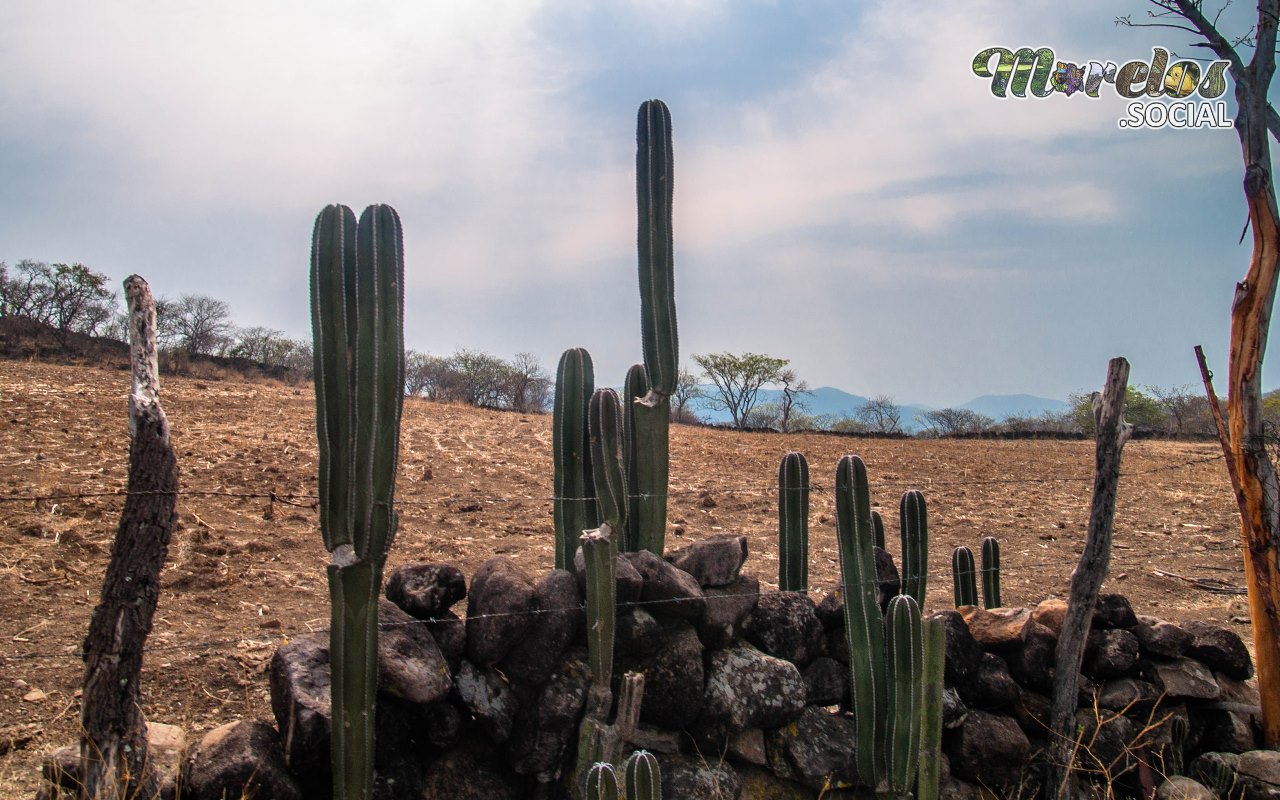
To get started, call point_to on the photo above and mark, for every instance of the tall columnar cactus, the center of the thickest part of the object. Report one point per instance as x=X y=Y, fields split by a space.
x=644 y=445
x=643 y=779
x=877 y=529
x=655 y=180
x=605 y=427
x=602 y=782
x=964 y=579
x=357 y=314
x=863 y=624
x=991 y=572
x=914 y=523
x=599 y=553
x=574 y=505
x=929 y=772
x=793 y=523
x=904 y=643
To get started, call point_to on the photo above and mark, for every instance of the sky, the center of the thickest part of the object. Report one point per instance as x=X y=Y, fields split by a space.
x=848 y=194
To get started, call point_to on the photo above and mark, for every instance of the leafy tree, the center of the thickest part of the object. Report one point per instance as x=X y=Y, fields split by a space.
x=954 y=421
x=67 y=297
x=881 y=415
x=478 y=379
x=199 y=324
x=1140 y=409
x=737 y=380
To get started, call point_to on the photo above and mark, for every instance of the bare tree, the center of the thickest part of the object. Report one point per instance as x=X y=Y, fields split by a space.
x=530 y=385
x=881 y=415
x=66 y=297
x=955 y=421
x=687 y=390
x=197 y=323
x=265 y=345
x=1178 y=404
x=794 y=390
x=1253 y=473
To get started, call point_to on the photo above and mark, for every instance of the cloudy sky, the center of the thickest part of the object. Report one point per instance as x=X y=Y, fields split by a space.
x=848 y=194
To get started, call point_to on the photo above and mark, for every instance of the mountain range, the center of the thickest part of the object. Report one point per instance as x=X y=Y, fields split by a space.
x=828 y=400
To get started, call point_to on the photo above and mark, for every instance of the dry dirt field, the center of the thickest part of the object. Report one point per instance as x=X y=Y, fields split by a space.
x=243 y=573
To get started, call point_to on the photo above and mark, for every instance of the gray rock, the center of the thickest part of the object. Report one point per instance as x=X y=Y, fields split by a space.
x=666 y=591
x=750 y=689
x=410 y=665
x=1032 y=712
x=1218 y=648
x=727 y=607
x=693 y=778
x=1032 y=664
x=166 y=757
x=963 y=653
x=713 y=561
x=637 y=633
x=498 y=610
x=988 y=748
x=1119 y=694
x=1109 y=737
x=1113 y=611
x=886 y=577
x=473 y=770
x=1182 y=677
x=559 y=619
x=426 y=590
x=992 y=687
x=629 y=582
x=1180 y=787
x=815 y=749
x=547 y=721
x=826 y=682
x=240 y=759
x=785 y=625
x=1262 y=769
x=954 y=711
x=299 y=680
x=450 y=633
x=830 y=610
x=490 y=700
x=1110 y=653
x=673 y=677
x=1160 y=638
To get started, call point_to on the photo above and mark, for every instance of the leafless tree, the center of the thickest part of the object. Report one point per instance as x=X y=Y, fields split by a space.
x=687 y=390
x=198 y=323
x=794 y=390
x=955 y=421
x=881 y=415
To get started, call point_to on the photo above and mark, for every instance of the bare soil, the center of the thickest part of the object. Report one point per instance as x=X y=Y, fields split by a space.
x=245 y=573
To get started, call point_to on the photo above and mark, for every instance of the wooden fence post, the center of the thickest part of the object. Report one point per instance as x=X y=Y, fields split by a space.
x=113 y=745
x=1086 y=581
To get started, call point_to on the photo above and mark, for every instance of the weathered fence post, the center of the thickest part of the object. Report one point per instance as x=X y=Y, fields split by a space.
x=113 y=746
x=1086 y=581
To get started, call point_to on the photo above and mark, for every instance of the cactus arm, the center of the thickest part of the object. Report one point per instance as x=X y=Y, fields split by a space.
x=644 y=434
x=905 y=662
x=605 y=427
x=643 y=778
x=914 y=523
x=963 y=578
x=793 y=523
x=929 y=773
x=574 y=506
x=654 y=185
x=863 y=625
x=991 y=572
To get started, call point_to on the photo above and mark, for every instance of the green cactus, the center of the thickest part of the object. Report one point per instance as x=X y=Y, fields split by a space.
x=964 y=577
x=574 y=505
x=914 y=522
x=904 y=643
x=599 y=553
x=602 y=782
x=877 y=529
x=644 y=445
x=991 y=572
x=605 y=428
x=643 y=777
x=793 y=523
x=655 y=181
x=357 y=315
x=929 y=773
x=863 y=624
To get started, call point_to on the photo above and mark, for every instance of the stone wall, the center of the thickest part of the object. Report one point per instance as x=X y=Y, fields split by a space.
x=746 y=693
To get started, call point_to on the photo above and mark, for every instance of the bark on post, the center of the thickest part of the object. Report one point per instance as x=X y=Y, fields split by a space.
x=1086 y=581
x=113 y=748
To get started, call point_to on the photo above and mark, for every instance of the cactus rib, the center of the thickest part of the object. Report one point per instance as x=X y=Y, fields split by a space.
x=642 y=777
x=644 y=434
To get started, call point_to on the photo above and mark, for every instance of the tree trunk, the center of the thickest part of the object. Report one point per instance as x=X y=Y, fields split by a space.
x=113 y=748
x=1111 y=432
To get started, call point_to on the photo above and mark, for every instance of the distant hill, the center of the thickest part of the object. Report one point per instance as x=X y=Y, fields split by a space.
x=1002 y=406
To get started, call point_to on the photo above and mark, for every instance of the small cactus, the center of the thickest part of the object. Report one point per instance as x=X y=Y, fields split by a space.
x=929 y=773
x=877 y=529
x=964 y=577
x=914 y=523
x=904 y=642
x=602 y=782
x=991 y=572
x=574 y=505
x=643 y=778
x=793 y=523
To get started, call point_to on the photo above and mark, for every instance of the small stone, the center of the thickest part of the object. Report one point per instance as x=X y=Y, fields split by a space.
x=426 y=590
x=1113 y=611
x=1180 y=787
x=35 y=696
x=1161 y=638
x=1051 y=613
x=999 y=629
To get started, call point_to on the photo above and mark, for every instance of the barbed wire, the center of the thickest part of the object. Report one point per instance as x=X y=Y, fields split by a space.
x=290 y=498
x=285 y=638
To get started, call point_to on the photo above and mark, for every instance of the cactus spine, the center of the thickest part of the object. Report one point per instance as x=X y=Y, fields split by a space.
x=793 y=523
x=991 y=572
x=914 y=523
x=863 y=625
x=964 y=579
x=904 y=643
x=642 y=777
x=574 y=505
x=602 y=782
x=357 y=314
x=644 y=445
x=929 y=773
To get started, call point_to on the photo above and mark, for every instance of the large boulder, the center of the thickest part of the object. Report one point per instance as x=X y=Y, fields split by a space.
x=1160 y=638
x=546 y=723
x=750 y=689
x=816 y=750
x=499 y=610
x=240 y=759
x=989 y=748
x=410 y=664
x=666 y=591
x=673 y=677
x=713 y=561
x=727 y=607
x=785 y=625
x=694 y=778
x=488 y=698
x=473 y=770
x=559 y=619
x=1220 y=649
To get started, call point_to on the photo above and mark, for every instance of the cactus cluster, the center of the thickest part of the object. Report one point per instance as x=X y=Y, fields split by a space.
x=964 y=575
x=887 y=667
x=357 y=313
x=642 y=780
x=793 y=523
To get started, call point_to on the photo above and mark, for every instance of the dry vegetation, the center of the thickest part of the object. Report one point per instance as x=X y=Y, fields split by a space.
x=244 y=572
